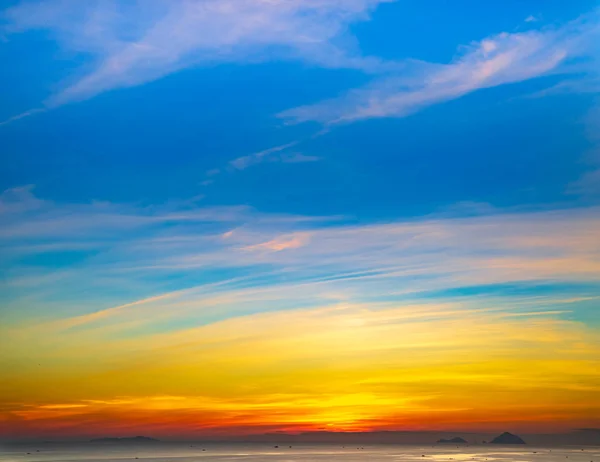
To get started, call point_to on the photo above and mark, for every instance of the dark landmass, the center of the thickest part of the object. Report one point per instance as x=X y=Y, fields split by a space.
x=455 y=440
x=507 y=438
x=134 y=439
x=581 y=437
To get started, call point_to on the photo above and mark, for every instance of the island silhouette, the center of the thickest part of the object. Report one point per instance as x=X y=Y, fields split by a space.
x=455 y=440
x=507 y=438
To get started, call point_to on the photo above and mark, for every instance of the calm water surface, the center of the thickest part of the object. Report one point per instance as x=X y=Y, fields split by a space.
x=304 y=453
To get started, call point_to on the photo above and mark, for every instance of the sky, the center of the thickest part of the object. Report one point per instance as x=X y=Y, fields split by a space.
x=231 y=217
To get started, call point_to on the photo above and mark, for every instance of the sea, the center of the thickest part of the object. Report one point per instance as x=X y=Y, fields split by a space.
x=285 y=453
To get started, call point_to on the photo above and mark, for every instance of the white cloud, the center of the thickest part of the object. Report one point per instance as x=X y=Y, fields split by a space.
x=498 y=60
x=131 y=43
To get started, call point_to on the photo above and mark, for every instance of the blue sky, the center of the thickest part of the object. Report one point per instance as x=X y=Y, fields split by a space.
x=152 y=132
x=177 y=164
x=366 y=111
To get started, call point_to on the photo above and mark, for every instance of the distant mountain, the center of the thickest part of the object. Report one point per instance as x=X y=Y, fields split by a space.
x=134 y=439
x=507 y=438
x=455 y=440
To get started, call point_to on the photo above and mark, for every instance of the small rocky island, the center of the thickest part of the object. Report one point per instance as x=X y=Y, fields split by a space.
x=507 y=438
x=455 y=440
x=134 y=439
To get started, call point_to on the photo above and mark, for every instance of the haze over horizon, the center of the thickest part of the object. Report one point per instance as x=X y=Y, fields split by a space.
x=234 y=217
x=580 y=438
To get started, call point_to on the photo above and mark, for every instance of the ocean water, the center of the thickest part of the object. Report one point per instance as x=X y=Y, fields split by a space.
x=301 y=453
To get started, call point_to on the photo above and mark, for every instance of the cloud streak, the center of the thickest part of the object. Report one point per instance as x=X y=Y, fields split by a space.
x=132 y=44
x=136 y=42
x=497 y=60
x=242 y=163
x=263 y=261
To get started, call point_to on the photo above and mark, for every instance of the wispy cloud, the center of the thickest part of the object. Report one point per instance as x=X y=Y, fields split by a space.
x=497 y=60
x=298 y=158
x=283 y=154
x=99 y=315
x=294 y=241
x=130 y=44
x=587 y=185
x=23 y=115
x=244 y=162
x=133 y=43
x=18 y=200
x=143 y=253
